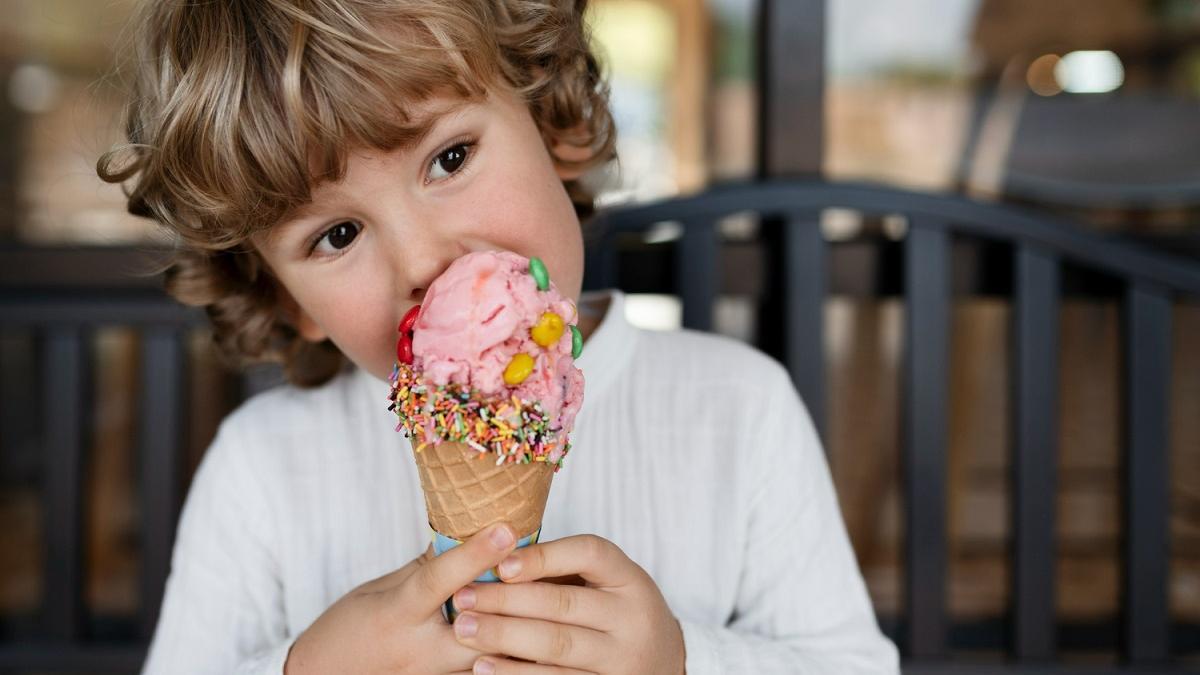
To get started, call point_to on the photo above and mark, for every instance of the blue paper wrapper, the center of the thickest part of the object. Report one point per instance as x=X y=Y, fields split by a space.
x=442 y=543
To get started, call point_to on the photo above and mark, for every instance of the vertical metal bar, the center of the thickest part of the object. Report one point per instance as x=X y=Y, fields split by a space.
x=64 y=420
x=20 y=392
x=790 y=134
x=1035 y=452
x=806 y=286
x=1147 y=364
x=927 y=340
x=791 y=85
x=160 y=450
x=697 y=270
x=600 y=255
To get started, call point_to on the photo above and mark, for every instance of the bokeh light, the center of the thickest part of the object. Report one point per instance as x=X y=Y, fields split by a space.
x=1090 y=72
x=1040 y=75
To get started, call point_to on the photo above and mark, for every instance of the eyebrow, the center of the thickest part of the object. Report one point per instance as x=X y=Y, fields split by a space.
x=418 y=130
x=412 y=135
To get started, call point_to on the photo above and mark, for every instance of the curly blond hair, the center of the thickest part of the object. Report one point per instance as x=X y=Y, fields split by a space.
x=239 y=108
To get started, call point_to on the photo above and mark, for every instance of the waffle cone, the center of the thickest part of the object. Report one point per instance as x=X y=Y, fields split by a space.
x=465 y=491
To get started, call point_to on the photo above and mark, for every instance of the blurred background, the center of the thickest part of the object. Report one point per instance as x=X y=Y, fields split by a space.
x=1085 y=109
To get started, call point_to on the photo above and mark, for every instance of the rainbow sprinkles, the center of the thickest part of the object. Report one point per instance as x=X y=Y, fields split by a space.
x=515 y=431
x=503 y=423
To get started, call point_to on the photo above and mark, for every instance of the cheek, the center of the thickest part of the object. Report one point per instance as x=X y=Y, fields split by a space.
x=359 y=322
x=534 y=217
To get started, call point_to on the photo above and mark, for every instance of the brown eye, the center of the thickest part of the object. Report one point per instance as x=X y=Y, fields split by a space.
x=448 y=161
x=338 y=237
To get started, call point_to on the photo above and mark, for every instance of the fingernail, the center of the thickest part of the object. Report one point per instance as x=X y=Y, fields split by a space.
x=464 y=599
x=483 y=667
x=465 y=626
x=510 y=567
x=501 y=537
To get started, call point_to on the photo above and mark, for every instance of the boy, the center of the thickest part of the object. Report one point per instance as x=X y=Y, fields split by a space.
x=321 y=163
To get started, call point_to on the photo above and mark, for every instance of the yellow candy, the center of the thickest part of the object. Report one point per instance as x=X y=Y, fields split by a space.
x=547 y=330
x=518 y=369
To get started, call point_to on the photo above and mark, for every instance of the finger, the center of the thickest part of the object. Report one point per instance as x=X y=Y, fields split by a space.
x=437 y=579
x=495 y=665
x=446 y=654
x=569 y=580
x=596 y=559
x=543 y=641
x=576 y=605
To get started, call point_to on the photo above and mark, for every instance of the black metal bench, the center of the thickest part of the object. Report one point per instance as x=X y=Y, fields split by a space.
x=62 y=296
x=1041 y=245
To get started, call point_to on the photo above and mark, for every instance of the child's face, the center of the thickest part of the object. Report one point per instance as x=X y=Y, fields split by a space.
x=366 y=249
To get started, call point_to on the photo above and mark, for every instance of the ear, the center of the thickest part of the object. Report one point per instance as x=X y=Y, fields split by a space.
x=308 y=329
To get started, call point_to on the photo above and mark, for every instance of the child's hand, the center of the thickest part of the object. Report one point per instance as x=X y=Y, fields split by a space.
x=617 y=623
x=394 y=623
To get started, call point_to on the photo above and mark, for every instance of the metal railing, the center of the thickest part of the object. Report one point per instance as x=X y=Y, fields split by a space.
x=62 y=296
x=1041 y=245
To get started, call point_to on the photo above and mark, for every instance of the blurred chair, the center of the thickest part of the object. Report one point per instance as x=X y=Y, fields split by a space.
x=1041 y=248
x=60 y=297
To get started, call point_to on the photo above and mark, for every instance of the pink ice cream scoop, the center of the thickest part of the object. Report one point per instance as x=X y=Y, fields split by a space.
x=493 y=322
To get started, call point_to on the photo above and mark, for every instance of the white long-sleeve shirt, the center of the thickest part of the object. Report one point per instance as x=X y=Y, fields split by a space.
x=691 y=452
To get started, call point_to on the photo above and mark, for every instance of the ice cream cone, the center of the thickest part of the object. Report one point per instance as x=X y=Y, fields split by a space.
x=465 y=490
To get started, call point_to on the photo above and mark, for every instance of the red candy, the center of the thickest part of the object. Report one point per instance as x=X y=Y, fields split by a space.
x=406 y=324
x=404 y=350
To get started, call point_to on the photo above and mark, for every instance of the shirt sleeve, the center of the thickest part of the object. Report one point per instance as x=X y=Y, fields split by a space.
x=222 y=609
x=802 y=606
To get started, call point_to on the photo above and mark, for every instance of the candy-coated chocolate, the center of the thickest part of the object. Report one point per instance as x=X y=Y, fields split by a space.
x=547 y=330
x=476 y=316
x=538 y=269
x=519 y=368
x=404 y=353
x=576 y=342
x=410 y=318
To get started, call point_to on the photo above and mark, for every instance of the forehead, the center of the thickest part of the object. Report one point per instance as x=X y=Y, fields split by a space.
x=405 y=129
x=330 y=168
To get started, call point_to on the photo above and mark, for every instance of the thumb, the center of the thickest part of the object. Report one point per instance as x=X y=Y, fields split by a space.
x=395 y=578
x=437 y=579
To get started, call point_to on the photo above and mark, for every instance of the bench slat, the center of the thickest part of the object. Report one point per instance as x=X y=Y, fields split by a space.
x=927 y=284
x=698 y=272
x=807 y=281
x=163 y=381
x=1147 y=364
x=1035 y=451
x=65 y=421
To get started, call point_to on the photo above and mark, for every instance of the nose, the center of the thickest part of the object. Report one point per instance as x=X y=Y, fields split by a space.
x=420 y=255
x=421 y=265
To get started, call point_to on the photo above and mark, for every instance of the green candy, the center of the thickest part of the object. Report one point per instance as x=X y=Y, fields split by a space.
x=576 y=342
x=538 y=269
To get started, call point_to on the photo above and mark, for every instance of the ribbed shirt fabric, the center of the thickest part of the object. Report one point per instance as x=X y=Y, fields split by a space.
x=692 y=453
